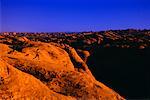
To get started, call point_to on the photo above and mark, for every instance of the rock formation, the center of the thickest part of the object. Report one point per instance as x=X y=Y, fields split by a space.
x=37 y=70
x=15 y=84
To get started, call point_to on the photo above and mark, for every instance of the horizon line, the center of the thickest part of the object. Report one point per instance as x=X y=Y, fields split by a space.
x=72 y=31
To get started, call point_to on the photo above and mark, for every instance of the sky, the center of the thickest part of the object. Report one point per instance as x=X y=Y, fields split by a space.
x=73 y=15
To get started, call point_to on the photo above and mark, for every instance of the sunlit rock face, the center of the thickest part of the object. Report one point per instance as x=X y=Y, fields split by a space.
x=15 y=84
x=37 y=70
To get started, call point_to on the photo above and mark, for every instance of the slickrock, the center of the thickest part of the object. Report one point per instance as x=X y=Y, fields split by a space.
x=15 y=85
x=23 y=39
x=48 y=70
x=84 y=54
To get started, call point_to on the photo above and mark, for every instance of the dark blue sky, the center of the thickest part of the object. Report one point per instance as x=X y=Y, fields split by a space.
x=73 y=15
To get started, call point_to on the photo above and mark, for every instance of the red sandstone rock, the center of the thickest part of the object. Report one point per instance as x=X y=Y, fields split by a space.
x=41 y=70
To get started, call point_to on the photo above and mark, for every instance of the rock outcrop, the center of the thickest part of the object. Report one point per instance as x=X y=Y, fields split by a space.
x=37 y=70
x=15 y=84
x=84 y=54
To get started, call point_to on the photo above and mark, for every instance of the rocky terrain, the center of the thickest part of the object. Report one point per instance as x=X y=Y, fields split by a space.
x=65 y=65
x=46 y=71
